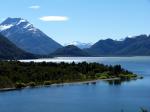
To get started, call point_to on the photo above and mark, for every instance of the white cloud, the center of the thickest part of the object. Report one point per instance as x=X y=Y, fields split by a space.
x=54 y=18
x=34 y=7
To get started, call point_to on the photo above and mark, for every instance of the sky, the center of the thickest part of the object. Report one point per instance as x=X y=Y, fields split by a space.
x=82 y=20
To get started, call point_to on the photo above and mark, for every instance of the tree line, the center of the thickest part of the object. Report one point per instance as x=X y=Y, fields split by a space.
x=15 y=74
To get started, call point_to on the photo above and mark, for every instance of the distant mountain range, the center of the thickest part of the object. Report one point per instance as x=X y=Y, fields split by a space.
x=79 y=44
x=27 y=37
x=69 y=50
x=23 y=37
x=135 y=46
x=9 y=51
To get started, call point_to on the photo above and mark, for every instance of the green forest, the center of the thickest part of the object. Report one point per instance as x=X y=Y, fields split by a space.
x=15 y=74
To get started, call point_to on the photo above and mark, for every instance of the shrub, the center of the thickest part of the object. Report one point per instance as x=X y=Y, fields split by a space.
x=20 y=85
x=102 y=75
x=31 y=84
x=47 y=82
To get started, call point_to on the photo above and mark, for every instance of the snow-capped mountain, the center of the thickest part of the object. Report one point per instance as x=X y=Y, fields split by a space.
x=18 y=23
x=80 y=44
x=27 y=37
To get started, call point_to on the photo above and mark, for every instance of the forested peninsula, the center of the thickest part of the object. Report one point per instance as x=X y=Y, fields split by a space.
x=16 y=74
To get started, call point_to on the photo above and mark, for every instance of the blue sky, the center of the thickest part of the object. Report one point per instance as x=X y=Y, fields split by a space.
x=82 y=20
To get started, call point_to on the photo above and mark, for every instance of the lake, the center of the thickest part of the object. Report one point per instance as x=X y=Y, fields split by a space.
x=99 y=97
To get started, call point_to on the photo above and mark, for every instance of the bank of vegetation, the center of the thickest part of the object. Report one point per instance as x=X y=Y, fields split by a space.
x=15 y=74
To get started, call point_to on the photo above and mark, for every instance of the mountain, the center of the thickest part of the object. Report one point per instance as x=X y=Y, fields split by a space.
x=27 y=37
x=80 y=44
x=70 y=50
x=135 y=46
x=104 y=47
x=9 y=51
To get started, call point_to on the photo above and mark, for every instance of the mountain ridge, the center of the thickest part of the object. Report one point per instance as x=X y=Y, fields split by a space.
x=135 y=46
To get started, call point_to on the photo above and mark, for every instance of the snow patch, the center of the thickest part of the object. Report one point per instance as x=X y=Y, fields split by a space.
x=27 y=25
x=5 y=27
x=79 y=44
x=21 y=21
x=33 y=29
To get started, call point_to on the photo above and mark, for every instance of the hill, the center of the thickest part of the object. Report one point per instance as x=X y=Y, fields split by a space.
x=69 y=50
x=9 y=51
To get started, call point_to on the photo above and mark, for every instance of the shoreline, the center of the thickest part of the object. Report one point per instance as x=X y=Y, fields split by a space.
x=66 y=83
x=58 y=60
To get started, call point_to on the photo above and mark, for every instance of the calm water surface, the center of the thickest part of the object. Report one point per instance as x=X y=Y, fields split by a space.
x=99 y=97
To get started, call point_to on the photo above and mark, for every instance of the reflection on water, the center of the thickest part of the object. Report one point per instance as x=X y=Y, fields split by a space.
x=114 y=82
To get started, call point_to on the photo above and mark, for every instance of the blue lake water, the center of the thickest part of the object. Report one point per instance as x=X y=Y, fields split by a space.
x=99 y=97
